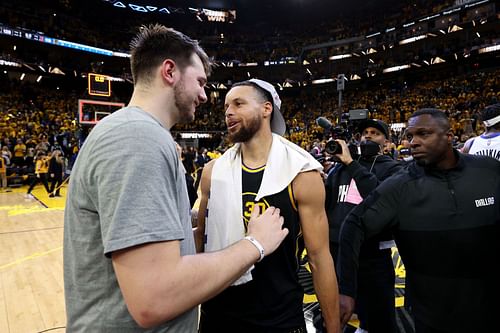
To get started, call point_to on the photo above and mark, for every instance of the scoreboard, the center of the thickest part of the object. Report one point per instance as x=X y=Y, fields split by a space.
x=99 y=85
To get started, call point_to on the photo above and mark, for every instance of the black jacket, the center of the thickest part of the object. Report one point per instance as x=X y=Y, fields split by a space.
x=367 y=173
x=446 y=227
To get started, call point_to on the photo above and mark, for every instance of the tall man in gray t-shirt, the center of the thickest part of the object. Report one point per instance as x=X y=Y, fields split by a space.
x=129 y=262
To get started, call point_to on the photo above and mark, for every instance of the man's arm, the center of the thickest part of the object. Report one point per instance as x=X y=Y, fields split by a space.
x=310 y=195
x=199 y=233
x=158 y=284
x=467 y=145
x=376 y=213
x=365 y=180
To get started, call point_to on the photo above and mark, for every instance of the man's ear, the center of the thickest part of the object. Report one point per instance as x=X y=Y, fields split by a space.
x=169 y=71
x=268 y=109
x=382 y=146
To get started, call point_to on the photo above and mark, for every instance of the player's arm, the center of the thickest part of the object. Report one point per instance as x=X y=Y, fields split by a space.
x=199 y=232
x=310 y=195
x=158 y=284
x=156 y=281
x=467 y=145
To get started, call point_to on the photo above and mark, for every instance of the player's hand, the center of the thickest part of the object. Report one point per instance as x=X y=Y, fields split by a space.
x=346 y=308
x=267 y=228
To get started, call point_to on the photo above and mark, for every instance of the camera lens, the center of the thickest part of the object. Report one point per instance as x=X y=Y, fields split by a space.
x=333 y=147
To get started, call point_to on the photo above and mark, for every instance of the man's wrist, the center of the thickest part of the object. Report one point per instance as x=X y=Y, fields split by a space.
x=257 y=245
x=348 y=161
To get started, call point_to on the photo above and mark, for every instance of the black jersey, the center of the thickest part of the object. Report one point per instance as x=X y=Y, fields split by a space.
x=273 y=299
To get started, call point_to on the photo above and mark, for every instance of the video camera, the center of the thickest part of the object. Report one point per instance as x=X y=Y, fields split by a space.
x=344 y=130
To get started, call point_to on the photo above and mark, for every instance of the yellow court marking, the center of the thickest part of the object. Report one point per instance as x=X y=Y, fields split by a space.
x=15 y=207
x=43 y=197
x=30 y=257
x=22 y=209
x=30 y=210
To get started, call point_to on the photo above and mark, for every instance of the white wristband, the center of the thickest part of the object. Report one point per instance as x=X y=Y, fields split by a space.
x=257 y=245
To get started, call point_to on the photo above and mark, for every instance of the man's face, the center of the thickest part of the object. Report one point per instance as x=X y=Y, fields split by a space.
x=373 y=134
x=244 y=108
x=189 y=91
x=429 y=140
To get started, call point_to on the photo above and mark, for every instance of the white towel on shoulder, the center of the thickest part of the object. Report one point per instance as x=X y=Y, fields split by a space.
x=224 y=220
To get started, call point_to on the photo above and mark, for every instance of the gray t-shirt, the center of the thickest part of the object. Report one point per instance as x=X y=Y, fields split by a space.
x=126 y=188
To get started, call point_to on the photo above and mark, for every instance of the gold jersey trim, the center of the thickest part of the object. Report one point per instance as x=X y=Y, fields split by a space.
x=247 y=169
x=292 y=198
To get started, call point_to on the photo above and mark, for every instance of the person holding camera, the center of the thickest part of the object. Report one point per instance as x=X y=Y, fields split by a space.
x=346 y=187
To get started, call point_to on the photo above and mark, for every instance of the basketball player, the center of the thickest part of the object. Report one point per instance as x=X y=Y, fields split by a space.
x=488 y=143
x=129 y=263
x=264 y=169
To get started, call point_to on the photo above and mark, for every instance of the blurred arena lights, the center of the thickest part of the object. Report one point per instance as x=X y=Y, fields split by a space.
x=201 y=14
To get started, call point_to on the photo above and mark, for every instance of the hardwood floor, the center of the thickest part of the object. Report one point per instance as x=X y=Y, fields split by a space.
x=31 y=270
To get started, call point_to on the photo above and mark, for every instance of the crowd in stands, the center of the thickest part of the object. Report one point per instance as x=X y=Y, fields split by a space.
x=239 y=42
x=257 y=42
x=274 y=40
x=462 y=97
x=36 y=120
x=44 y=119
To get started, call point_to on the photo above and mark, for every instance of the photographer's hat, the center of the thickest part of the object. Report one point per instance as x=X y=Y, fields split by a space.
x=375 y=123
x=278 y=125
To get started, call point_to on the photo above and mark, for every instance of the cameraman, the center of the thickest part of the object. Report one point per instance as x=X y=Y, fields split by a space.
x=345 y=188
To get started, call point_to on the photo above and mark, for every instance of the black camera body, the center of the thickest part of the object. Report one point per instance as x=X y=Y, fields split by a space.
x=344 y=131
x=332 y=147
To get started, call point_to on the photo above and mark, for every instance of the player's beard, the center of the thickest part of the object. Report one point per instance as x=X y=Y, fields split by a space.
x=184 y=103
x=245 y=132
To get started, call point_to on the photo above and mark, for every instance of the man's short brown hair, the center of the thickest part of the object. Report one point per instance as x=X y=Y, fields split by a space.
x=155 y=43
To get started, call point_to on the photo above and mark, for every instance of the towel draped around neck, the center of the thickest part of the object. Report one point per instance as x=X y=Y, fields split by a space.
x=224 y=221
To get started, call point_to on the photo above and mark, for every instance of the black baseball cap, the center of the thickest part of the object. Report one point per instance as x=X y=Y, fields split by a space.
x=375 y=123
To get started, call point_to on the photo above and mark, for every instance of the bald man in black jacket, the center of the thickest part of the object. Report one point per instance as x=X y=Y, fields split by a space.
x=445 y=215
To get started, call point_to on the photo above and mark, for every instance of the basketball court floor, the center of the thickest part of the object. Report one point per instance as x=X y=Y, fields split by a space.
x=31 y=267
